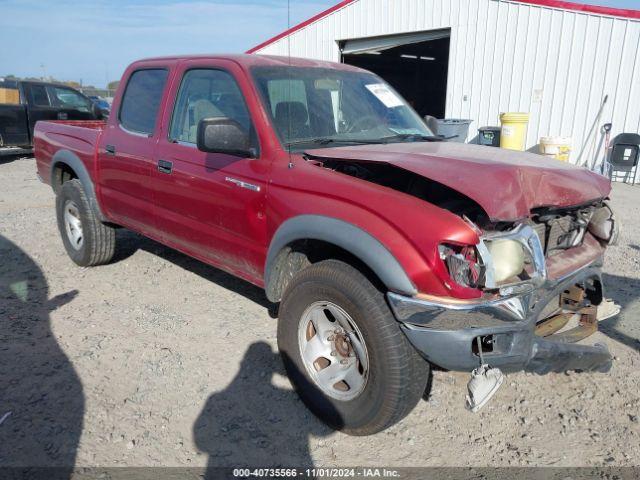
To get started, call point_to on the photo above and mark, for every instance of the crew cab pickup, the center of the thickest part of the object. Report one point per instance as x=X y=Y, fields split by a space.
x=387 y=250
x=41 y=101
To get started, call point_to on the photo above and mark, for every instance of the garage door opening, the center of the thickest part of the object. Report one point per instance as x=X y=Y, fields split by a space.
x=415 y=64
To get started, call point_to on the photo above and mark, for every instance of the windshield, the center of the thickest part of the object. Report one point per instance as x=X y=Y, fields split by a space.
x=325 y=106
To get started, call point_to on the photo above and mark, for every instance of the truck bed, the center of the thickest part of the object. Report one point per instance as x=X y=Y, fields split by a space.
x=78 y=136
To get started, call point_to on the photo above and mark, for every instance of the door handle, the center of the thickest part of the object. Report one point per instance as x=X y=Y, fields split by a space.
x=110 y=149
x=240 y=183
x=164 y=166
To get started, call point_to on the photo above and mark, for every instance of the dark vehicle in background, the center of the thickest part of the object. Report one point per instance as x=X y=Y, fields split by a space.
x=42 y=101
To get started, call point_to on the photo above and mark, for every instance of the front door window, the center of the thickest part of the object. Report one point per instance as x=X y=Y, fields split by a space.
x=206 y=93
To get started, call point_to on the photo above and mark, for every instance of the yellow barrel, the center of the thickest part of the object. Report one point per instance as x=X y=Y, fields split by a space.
x=556 y=147
x=513 y=133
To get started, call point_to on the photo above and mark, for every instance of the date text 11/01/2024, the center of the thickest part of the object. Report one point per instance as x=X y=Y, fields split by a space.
x=368 y=472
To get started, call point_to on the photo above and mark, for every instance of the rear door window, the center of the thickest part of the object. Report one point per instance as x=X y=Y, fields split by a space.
x=141 y=100
x=39 y=97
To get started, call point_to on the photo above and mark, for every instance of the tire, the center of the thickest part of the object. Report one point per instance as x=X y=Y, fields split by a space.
x=393 y=375
x=95 y=243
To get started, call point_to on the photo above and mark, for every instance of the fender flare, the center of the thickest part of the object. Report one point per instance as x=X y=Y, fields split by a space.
x=70 y=159
x=344 y=235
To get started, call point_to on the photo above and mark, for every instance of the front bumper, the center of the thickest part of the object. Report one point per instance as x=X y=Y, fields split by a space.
x=445 y=332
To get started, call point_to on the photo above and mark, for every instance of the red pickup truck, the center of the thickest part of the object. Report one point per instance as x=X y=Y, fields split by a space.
x=387 y=249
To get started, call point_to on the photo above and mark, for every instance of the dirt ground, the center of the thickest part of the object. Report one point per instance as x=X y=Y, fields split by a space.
x=157 y=359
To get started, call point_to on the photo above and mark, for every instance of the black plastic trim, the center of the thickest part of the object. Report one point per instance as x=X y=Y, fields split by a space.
x=344 y=235
x=70 y=159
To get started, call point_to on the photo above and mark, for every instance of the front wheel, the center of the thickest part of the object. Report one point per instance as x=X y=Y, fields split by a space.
x=344 y=351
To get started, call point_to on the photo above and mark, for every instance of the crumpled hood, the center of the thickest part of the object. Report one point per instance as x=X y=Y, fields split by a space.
x=505 y=183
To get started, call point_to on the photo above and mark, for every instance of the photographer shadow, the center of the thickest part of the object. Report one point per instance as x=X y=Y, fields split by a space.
x=41 y=397
x=253 y=423
x=623 y=327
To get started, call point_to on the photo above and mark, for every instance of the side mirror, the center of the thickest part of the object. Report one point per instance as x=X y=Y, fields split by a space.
x=224 y=135
x=99 y=113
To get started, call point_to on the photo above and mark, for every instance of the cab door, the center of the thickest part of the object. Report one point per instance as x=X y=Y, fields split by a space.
x=126 y=149
x=210 y=205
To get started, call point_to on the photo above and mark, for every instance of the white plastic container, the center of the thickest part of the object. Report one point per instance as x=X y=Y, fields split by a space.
x=556 y=147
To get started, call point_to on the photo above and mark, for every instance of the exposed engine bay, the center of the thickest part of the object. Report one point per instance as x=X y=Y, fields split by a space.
x=560 y=229
x=410 y=183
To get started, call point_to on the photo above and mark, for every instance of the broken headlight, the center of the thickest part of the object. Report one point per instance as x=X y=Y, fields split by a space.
x=463 y=264
x=512 y=259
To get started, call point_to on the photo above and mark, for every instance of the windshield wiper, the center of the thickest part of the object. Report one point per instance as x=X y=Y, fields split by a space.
x=327 y=141
x=416 y=137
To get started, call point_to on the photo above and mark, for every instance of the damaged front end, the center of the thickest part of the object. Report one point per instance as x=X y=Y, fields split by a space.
x=512 y=291
x=541 y=293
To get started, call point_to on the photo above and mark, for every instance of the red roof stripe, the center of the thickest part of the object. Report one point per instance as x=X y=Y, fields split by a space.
x=580 y=7
x=300 y=26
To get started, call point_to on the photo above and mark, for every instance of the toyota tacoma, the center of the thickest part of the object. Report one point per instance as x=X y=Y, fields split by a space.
x=387 y=250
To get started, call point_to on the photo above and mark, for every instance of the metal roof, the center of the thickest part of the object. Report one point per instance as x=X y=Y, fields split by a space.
x=559 y=4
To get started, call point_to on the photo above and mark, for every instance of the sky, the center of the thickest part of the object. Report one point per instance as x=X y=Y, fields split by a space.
x=92 y=41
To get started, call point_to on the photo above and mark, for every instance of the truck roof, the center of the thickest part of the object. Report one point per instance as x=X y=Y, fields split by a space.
x=250 y=60
x=14 y=83
x=42 y=82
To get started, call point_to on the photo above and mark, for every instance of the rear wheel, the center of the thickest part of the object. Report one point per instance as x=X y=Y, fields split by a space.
x=86 y=239
x=344 y=351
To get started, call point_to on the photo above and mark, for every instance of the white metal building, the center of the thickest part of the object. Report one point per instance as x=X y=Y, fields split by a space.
x=477 y=58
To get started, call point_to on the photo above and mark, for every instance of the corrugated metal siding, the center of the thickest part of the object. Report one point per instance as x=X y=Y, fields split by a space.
x=558 y=65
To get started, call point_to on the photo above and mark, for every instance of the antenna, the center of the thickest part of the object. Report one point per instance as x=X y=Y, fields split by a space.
x=289 y=27
x=288 y=98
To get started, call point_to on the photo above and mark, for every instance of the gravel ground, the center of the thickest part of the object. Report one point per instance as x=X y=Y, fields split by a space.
x=157 y=359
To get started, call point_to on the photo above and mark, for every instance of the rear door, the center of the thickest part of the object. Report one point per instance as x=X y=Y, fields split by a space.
x=210 y=205
x=127 y=147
